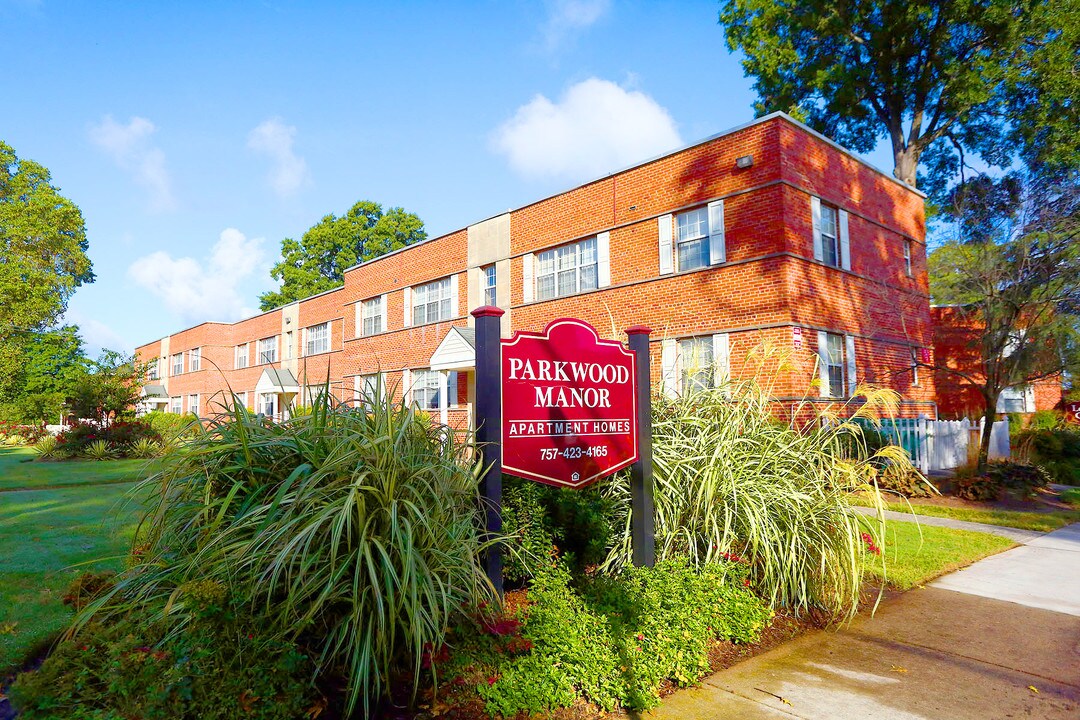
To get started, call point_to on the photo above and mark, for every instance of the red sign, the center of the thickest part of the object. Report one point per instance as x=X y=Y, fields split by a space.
x=569 y=405
x=1072 y=412
x=796 y=337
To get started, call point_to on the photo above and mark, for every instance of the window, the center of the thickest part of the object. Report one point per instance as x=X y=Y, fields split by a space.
x=288 y=345
x=241 y=356
x=373 y=317
x=830 y=246
x=488 y=282
x=1018 y=398
x=696 y=364
x=268 y=350
x=367 y=389
x=915 y=366
x=152 y=371
x=194 y=359
x=267 y=404
x=692 y=239
x=425 y=389
x=317 y=339
x=241 y=400
x=193 y=404
x=833 y=359
x=907 y=257
x=567 y=270
x=313 y=394
x=431 y=302
x=174 y=405
x=177 y=363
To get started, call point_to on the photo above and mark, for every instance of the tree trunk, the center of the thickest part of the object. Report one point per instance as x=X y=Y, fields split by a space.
x=906 y=164
x=989 y=414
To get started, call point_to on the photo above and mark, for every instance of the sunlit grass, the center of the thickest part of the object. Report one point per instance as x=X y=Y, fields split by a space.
x=45 y=536
x=916 y=554
x=18 y=470
x=1036 y=521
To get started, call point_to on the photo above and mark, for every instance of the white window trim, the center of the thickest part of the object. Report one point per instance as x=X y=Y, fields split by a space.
x=847 y=363
x=554 y=252
x=260 y=354
x=363 y=317
x=198 y=404
x=452 y=295
x=671 y=361
x=176 y=368
x=195 y=359
x=241 y=351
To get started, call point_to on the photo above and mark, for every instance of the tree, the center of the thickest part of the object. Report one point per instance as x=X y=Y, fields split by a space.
x=49 y=367
x=109 y=389
x=944 y=79
x=1016 y=283
x=42 y=246
x=318 y=262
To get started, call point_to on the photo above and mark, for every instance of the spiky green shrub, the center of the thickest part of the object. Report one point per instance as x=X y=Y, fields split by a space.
x=730 y=478
x=100 y=450
x=350 y=532
x=145 y=448
x=46 y=448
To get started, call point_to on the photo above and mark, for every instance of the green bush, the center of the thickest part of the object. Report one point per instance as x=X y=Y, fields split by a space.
x=352 y=533
x=1045 y=420
x=46 y=448
x=207 y=671
x=730 y=479
x=979 y=488
x=907 y=482
x=100 y=450
x=171 y=427
x=1056 y=450
x=1018 y=479
x=614 y=641
x=577 y=524
x=144 y=448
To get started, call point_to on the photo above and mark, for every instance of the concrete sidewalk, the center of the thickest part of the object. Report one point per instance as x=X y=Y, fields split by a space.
x=986 y=647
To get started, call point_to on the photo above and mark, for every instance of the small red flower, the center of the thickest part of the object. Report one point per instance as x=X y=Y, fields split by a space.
x=492 y=680
x=746 y=582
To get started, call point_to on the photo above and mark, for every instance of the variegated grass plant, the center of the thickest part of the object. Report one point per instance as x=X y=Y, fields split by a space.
x=352 y=531
x=732 y=477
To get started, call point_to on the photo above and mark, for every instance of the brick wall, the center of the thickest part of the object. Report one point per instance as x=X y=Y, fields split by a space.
x=769 y=283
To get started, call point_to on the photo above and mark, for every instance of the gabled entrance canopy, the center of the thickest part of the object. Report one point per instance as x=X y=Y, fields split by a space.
x=277 y=380
x=457 y=351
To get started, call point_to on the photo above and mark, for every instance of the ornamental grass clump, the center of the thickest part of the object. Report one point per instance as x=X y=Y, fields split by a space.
x=731 y=477
x=352 y=532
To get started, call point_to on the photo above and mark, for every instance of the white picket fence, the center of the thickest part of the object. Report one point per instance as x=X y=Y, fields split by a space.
x=945 y=444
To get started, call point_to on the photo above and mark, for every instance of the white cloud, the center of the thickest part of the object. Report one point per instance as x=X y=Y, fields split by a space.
x=274 y=139
x=131 y=148
x=198 y=291
x=96 y=334
x=569 y=17
x=595 y=127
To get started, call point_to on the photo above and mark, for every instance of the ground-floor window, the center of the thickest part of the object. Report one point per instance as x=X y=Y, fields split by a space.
x=268 y=404
x=833 y=359
x=193 y=404
x=425 y=389
x=696 y=364
x=175 y=405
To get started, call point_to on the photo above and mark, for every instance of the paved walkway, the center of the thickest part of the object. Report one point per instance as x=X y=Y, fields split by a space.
x=1020 y=536
x=976 y=645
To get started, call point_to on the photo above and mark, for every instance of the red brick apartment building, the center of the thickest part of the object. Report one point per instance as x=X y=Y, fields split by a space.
x=768 y=235
x=956 y=343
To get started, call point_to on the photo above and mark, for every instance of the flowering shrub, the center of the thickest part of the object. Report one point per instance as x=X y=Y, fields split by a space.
x=119 y=438
x=12 y=433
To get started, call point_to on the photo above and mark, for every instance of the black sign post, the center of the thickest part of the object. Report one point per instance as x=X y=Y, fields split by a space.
x=489 y=429
x=643 y=516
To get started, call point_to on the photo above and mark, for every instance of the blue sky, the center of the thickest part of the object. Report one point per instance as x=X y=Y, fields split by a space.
x=195 y=136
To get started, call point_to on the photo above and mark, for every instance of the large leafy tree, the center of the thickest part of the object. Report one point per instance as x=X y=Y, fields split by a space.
x=42 y=246
x=943 y=80
x=109 y=389
x=318 y=261
x=49 y=368
x=1014 y=276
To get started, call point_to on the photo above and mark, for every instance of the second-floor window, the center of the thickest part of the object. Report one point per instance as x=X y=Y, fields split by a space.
x=317 y=339
x=241 y=356
x=177 y=364
x=692 y=239
x=431 y=302
x=488 y=280
x=152 y=371
x=268 y=350
x=194 y=359
x=907 y=258
x=373 y=316
x=566 y=270
x=830 y=242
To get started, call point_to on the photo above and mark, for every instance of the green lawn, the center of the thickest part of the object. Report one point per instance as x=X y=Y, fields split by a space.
x=15 y=474
x=1037 y=521
x=45 y=532
x=916 y=554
